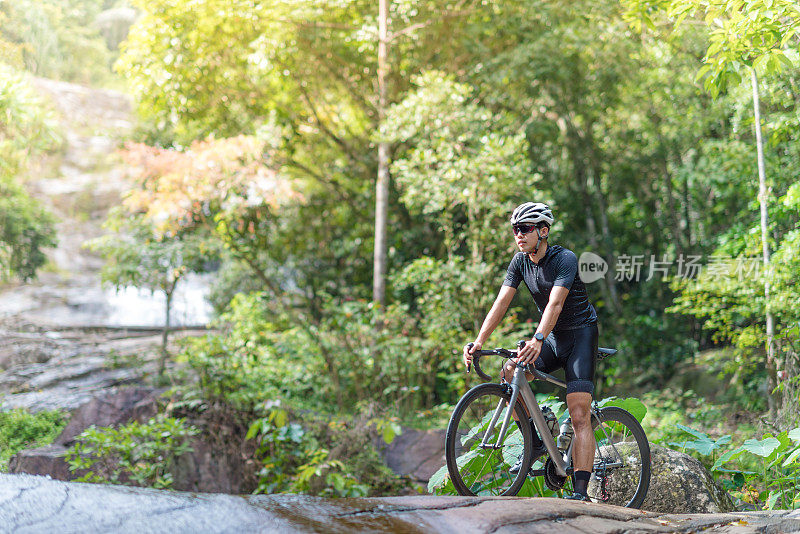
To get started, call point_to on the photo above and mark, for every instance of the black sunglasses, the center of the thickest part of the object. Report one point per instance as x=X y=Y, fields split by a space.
x=523 y=228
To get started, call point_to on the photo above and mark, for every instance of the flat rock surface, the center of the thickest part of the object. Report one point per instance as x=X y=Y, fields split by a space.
x=31 y=504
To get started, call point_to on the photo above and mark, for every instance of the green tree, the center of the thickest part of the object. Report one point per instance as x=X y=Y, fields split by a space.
x=57 y=39
x=228 y=67
x=463 y=166
x=746 y=37
x=26 y=129
x=634 y=155
x=137 y=255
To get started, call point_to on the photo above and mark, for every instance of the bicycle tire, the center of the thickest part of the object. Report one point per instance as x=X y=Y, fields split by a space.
x=462 y=444
x=629 y=445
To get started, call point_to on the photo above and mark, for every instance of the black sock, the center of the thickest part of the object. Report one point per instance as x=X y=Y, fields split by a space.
x=582 y=481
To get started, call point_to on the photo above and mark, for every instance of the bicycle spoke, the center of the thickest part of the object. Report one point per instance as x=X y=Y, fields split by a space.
x=620 y=475
x=478 y=459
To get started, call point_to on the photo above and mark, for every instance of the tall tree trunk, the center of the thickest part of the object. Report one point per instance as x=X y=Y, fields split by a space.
x=169 y=292
x=594 y=189
x=580 y=170
x=574 y=151
x=600 y=200
x=762 y=200
x=679 y=235
x=382 y=184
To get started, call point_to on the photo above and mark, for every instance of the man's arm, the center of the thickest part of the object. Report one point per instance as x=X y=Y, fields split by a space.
x=554 y=306
x=533 y=348
x=493 y=318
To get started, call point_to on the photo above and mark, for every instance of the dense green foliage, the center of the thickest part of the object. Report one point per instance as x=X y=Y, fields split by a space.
x=755 y=39
x=21 y=430
x=526 y=102
x=141 y=454
x=74 y=40
x=26 y=129
x=332 y=458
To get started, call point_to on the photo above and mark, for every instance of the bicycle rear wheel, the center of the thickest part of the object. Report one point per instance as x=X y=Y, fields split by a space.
x=476 y=462
x=621 y=473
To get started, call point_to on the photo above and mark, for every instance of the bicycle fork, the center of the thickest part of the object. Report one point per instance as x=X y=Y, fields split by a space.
x=506 y=420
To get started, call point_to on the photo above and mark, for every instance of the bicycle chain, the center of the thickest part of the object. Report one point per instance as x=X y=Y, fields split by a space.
x=601 y=473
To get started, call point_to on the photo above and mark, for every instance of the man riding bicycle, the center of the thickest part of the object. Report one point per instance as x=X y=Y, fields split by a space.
x=567 y=333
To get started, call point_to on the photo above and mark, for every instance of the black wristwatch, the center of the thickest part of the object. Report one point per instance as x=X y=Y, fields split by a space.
x=538 y=336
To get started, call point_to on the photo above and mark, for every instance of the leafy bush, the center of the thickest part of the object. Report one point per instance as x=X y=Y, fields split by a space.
x=141 y=454
x=20 y=430
x=237 y=365
x=770 y=476
x=332 y=458
x=762 y=472
x=354 y=351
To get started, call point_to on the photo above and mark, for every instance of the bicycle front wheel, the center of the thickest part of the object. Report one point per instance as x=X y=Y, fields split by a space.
x=621 y=473
x=477 y=460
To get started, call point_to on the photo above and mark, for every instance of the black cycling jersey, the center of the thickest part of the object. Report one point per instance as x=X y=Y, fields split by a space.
x=558 y=267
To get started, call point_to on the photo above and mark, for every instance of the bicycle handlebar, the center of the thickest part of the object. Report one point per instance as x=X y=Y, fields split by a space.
x=505 y=353
x=476 y=357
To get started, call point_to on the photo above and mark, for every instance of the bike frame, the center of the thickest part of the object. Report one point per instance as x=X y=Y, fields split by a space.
x=520 y=386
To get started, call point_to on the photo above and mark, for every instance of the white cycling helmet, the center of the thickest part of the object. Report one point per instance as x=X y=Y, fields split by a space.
x=532 y=213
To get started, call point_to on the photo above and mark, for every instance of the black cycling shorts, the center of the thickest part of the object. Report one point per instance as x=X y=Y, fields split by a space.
x=575 y=351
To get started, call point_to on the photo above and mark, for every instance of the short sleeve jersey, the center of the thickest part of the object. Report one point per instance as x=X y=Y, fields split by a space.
x=558 y=267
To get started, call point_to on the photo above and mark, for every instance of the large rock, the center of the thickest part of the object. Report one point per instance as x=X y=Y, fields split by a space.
x=681 y=485
x=48 y=461
x=414 y=453
x=35 y=504
x=211 y=470
x=112 y=409
x=218 y=462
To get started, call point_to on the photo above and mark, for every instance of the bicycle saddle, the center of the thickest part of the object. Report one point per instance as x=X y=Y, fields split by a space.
x=603 y=353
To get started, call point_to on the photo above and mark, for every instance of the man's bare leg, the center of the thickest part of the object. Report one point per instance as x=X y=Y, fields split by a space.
x=579 y=404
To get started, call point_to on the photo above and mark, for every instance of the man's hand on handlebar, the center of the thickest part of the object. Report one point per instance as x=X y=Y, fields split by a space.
x=529 y=352
x=469 y=348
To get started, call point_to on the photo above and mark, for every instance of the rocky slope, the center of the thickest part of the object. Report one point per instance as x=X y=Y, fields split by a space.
x=64 y=338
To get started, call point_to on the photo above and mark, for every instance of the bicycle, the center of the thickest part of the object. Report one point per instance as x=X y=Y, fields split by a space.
x=479 y=455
